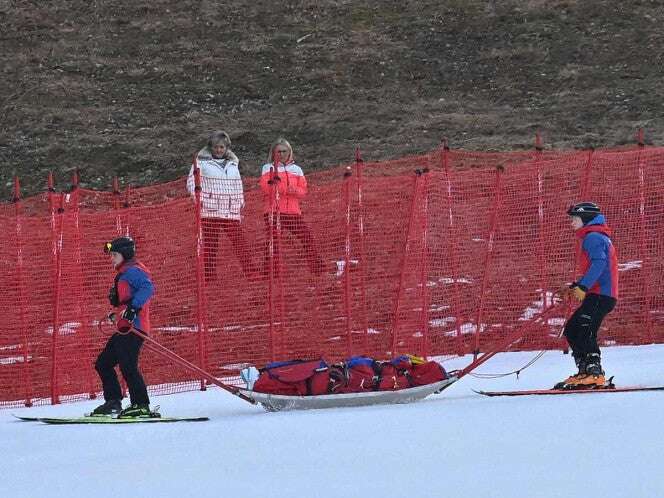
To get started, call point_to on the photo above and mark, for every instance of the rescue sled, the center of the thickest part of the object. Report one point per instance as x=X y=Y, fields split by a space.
x=280 y=402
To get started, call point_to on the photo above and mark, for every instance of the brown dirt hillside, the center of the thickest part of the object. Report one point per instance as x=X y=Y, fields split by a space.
x=133 y=88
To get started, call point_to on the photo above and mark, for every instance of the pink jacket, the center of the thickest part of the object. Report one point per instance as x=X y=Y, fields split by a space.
x=291 y=187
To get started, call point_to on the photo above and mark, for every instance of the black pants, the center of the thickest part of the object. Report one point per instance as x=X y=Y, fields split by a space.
x=122 y=350
x=581 y=328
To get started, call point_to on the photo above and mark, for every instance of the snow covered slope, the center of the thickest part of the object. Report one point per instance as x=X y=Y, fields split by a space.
x=456 y=444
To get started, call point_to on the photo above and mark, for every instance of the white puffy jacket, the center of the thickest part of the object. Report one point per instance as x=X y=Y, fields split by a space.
x=222 y=195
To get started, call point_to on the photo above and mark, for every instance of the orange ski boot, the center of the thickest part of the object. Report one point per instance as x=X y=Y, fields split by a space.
x=571 y=381
x=589 y=381
x=594 y=378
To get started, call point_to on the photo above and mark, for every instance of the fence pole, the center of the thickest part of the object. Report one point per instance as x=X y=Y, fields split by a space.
x=56 y=242
x=402 y=266
x=280 y=267
x=26 y=371
x=424 y=266
x=541 y=253
x=81 y=305
x=347 y=250
x=359 y=166
x=647 y=318
x=487 y=258
x=273 y=233
x=201 y=308
x=452 y=247
x=585 y=181
x=127 y=205
x=116 y=205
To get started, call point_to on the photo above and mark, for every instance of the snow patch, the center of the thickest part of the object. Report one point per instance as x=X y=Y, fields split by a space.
x=12 y=360
x=341 y=265
x=630 y=265
x=441 y=322
x=67 y=328
x=449 y=280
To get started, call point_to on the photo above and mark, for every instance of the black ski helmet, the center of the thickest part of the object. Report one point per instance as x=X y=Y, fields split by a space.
x=584 y=210
x=122 y=245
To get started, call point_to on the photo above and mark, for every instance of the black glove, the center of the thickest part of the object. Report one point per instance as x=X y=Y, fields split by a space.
x=130 y=313
x=126 y=321
x=273 y=180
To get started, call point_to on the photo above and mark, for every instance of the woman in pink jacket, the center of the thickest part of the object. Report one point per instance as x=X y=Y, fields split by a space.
x=284 y=185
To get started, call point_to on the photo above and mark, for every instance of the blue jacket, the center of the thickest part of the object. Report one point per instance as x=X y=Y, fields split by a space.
x=599 y=261
x=135 y=288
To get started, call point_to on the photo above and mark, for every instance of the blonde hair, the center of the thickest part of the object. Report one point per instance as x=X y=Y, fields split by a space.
x=275 y=144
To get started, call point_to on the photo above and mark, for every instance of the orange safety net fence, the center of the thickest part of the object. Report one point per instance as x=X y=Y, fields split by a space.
x=384 y=260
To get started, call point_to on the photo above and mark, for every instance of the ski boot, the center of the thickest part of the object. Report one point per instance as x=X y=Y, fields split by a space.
x=570 y=381
x=110 y=407
x=594 y=378
x=138 y=411
x=573 y=379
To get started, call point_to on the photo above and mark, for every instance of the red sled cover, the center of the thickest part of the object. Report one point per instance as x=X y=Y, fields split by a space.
x=393 y=378
x=358 y=378
x=427 y=373
x=294 y=378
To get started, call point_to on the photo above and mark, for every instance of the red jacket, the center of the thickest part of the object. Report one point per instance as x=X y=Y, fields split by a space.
x=291 y=187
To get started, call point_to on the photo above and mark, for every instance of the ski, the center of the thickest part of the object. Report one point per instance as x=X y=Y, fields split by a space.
x=27 y=419
x=546 y=392
x=110 y=420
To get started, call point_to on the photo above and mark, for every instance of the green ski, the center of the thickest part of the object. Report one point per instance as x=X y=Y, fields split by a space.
x=110 y=420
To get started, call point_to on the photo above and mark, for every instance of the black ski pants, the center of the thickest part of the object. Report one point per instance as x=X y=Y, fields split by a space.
x=123 y=350
x=582 y=327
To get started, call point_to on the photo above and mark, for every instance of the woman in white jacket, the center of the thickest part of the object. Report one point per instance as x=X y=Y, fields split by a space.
x=222 y=200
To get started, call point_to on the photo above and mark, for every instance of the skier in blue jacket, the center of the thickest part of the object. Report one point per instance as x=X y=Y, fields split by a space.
x=597 y=289
x=132 y=291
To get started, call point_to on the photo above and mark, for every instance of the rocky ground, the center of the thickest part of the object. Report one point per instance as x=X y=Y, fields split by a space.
x=128 y=88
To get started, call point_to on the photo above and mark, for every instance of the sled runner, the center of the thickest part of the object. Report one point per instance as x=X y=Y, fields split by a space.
x=279 y=402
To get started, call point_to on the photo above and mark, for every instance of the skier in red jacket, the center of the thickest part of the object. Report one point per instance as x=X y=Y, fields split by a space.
x=132 y=289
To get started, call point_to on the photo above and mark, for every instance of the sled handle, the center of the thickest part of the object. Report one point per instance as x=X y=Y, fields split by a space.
x=167 y=353
x=164 y=351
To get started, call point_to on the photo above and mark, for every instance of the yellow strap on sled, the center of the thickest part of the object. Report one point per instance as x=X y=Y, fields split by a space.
x=415 y=360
